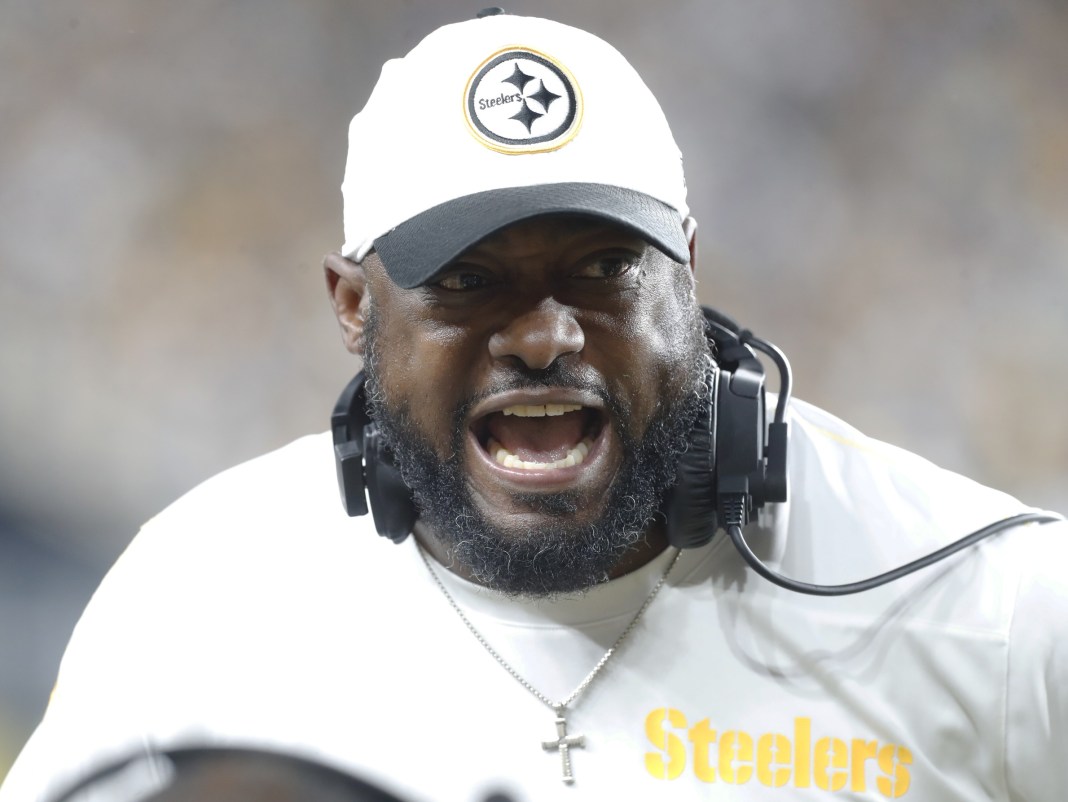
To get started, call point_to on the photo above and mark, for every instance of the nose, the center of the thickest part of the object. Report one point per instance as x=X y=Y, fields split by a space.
x=539 y=336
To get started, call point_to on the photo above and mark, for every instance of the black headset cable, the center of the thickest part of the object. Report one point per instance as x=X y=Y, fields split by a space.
x=735 y=508
x=734 y=530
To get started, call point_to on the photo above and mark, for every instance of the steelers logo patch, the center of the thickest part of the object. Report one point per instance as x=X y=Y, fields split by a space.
x=522 y=101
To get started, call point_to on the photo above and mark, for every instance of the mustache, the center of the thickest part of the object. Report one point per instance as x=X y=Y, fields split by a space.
x=558 y=374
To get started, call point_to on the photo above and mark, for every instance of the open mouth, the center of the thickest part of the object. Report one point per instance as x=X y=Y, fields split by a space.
x=539 y=437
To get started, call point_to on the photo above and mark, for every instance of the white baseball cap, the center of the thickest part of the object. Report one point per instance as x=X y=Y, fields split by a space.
x=501 y=119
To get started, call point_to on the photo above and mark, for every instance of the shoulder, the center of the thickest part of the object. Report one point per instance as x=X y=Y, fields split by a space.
x=235 y=585
x=263 y=542
x=867 y=479
x=259 y=504
x=299 y=473
x=247 y=533
x=859 y=507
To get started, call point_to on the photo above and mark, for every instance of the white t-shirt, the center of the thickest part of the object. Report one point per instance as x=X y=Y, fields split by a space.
x=254 y=612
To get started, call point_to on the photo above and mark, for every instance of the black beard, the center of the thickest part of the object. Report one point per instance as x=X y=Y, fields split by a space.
x=562 y=555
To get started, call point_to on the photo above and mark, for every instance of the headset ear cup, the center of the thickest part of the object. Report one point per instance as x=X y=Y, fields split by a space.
x=348 y=458
x=347 y=422
x=365 y=466
x=392 y=506
x=690 y=506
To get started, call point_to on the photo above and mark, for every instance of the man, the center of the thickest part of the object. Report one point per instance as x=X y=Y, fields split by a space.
x=545 y=414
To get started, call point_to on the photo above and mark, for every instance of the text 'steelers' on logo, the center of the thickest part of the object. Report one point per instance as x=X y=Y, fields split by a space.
x=521 y=101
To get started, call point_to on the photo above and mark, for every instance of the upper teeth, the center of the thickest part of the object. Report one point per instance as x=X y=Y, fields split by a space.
x=540 y=410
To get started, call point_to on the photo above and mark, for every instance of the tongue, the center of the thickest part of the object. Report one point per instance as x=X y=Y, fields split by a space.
x=537 y=439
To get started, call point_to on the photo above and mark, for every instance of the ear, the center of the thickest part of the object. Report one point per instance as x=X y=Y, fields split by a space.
x=346 y=282
x=689 y=228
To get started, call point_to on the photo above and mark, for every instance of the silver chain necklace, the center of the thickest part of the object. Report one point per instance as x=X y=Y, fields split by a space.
x=563 y=742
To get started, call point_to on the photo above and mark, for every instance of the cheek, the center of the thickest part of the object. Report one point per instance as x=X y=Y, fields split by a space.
x=426 y=371
x=651 y=352
x=437 y=371
x=674 y=323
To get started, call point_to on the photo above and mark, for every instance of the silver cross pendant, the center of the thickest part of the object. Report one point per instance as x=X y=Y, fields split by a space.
x=563 y=744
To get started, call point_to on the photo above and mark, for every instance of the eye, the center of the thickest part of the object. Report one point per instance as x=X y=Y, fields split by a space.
x=608 y=266
x=463 y=281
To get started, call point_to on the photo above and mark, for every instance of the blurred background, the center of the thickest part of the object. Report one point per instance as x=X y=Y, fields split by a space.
x=882 y=190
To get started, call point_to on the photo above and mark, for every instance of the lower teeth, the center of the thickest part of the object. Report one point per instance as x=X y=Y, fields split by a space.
x=575 y=456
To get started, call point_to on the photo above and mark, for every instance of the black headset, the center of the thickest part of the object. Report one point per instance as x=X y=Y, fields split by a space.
x=736 y=462
x=732 y=450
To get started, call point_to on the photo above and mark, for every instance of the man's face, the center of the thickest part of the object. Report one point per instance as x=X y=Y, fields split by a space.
x=536 y=395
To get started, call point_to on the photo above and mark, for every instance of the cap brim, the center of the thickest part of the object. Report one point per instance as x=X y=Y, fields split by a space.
x=416 y=250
